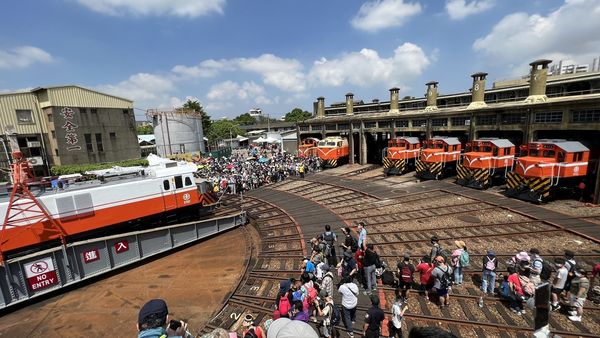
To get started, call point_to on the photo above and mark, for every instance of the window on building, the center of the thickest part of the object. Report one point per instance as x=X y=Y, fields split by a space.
x=439 y=122
x=486 y=120
x=585 y=115
x=384 y=124
x=330 y=127
x=513 y=118
x=548 y=117
x=401 y=123
x=178 y=182
x=50 y=118
x=53 y=133
x=113 y=136
x=459 y=121
x=188 y=181
x=55 y=152
x=356 y=125
x=82 y=110
x=94 y=111
x=126 y=111
x=99 y=144
x=370 y=124
x=316 y=127
x=343 y=126
x=303 y=128
x=88 y=142
x=24 y=116
x=419 y=123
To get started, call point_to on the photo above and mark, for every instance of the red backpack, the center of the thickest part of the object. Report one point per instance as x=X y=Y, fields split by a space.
x=406 y=274
x=311 y=292
x=284 y=305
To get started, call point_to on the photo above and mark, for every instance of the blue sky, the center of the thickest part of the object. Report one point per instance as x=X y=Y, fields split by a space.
x=233 y=55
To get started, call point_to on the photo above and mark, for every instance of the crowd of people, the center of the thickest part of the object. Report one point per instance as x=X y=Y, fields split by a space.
x=253 y=167
x=310 y=297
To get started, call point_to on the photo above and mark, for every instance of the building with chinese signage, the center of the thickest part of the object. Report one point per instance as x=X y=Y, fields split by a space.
x=66 y=125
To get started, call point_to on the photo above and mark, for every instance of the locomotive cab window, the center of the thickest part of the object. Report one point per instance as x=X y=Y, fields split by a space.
x=178 y=182
x=578 y=156
x=166 y=185
x=495 y=152
x=560 y=157
x=548 y=153
x=188 y=181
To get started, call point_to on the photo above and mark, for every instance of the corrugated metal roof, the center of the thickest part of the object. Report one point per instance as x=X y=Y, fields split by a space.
x=498 y=142
x=449 y=140
x=75 y=96
x=411 y=140
x=568 y=146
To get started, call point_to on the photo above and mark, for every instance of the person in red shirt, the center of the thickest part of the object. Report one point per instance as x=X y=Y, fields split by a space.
x=516 y=297
x=358 y=256
x=595 y=273
x=426 y=282
x=250 y=325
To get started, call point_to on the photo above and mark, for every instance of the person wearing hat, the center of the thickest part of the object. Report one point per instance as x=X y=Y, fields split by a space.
x=249 y=327
x=153 y=318
x=373 y=319
x=579 y=289
x=489 y=266
x=558 y=284
x=436 y=249
x=442 y=273
x=327 y=281
x=318 y=267
x=348 y=265
x=537 y=264
x=461 y=249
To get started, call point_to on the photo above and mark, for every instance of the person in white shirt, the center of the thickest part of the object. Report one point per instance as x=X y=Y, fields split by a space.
x=349 y=292
x=398 y=309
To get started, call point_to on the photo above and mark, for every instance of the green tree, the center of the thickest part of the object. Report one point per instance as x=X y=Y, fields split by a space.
x=145 y=129
x=223 y=129
x=195 y=105
x=297 y=115
x=245 y=119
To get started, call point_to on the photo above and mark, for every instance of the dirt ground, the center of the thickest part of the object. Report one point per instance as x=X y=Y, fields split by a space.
x=194 y=282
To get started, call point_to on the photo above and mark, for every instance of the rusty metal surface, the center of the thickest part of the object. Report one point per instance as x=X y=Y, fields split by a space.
x=194 y=281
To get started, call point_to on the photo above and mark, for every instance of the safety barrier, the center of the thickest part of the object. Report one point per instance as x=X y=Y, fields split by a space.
x=39 y=273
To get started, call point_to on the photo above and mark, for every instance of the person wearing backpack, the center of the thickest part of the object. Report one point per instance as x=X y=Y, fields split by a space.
x=571 y=266
x=250 y=329
x=516 y=296
x=284 y=304
x=460 y=259
x=327 y=281
x=489 y=266
x=405 y=277
x=442 y=284
x=330 y=239
x=331 y=315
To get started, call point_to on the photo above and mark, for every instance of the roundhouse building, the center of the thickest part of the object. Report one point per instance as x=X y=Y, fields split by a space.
x=66 y=125
x=563 y=106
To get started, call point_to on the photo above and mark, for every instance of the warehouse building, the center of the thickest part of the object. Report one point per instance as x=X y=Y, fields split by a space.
x=64 y=125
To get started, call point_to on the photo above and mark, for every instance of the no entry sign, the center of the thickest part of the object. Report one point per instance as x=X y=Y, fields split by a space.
x=40 y=274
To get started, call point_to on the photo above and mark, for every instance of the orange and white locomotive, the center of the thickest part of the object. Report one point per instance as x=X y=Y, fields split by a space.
x=438 y=158
x=546 y=167
x=97 y=207
x=400 y=155
x=484 y=161
x=308 y=147
x=333 y=151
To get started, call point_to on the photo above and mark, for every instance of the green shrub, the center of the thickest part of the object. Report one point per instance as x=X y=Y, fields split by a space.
x=81 y=168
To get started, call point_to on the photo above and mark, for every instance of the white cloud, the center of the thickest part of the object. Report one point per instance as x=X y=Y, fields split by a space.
x=460 y=9
x=571 y=31
x=367 y=68
x=180 y=8
x=22 y=57
x=144 y=87
x=205 y=69
x=229 y=90
x=285 y=74
x=380 y=14
x=176 y=102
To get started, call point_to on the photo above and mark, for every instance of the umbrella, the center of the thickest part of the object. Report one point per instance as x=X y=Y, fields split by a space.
x=286 y=328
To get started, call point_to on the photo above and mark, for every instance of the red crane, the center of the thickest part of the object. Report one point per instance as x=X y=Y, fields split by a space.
x=24 y=211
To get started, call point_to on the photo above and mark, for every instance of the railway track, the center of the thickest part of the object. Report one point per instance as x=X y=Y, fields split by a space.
x=397 y=224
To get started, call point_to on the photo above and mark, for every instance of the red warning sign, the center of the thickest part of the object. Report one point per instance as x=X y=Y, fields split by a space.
x=122 y=246
x=40 y=274
x=91 y=255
